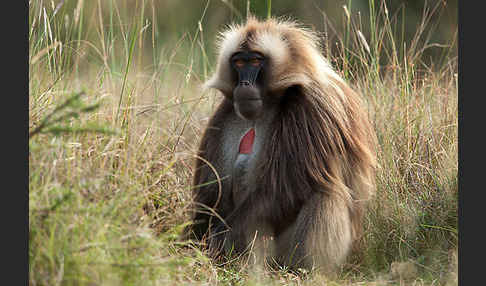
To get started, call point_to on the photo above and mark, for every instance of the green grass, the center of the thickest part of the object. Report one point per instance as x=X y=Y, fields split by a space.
x=109 y=174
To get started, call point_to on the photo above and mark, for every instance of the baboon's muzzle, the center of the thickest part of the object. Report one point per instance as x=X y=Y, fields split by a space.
x=247 y=99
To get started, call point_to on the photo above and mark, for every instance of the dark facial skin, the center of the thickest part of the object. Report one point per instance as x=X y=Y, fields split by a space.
x=247 y=95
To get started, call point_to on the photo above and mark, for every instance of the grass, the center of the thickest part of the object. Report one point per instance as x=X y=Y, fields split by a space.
x=110 y=172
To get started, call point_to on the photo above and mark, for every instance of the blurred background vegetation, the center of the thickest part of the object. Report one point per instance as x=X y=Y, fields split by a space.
x=177 y=25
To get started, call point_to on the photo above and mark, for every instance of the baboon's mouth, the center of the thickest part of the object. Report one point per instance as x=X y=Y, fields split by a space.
x=247 y=102
x=249 y=109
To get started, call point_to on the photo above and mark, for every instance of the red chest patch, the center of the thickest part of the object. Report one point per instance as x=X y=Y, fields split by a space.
x=246 y=143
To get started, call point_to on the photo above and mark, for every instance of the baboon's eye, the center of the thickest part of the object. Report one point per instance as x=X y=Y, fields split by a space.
x=255 y=62
x=239 y=63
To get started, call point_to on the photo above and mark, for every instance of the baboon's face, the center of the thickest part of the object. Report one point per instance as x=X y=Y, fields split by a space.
x=248 y=68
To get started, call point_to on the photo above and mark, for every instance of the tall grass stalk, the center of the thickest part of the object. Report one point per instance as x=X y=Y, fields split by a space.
x=131 y=40
x=269 y=9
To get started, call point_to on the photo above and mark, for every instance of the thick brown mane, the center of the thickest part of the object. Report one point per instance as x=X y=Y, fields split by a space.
x=312 y=149
x=323 y=131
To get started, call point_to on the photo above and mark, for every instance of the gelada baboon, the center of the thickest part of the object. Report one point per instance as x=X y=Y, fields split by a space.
x=288 y=155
